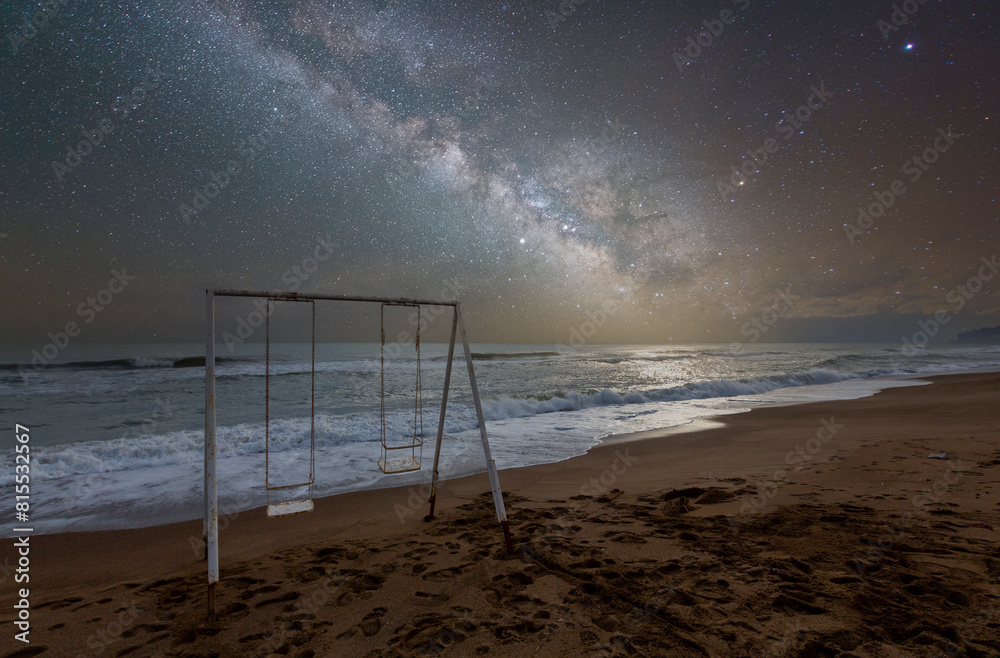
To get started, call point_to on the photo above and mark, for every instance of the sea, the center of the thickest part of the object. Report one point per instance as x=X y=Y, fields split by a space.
x=117 y=431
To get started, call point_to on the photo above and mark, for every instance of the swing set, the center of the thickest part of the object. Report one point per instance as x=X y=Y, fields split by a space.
x=397 y=455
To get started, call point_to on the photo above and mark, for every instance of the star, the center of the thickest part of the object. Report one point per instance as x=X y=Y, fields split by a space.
x=432 y=143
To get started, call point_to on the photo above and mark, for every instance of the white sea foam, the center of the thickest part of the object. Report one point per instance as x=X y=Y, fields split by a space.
x=120 y=443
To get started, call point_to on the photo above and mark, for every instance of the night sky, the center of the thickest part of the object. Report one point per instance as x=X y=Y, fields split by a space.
x=552 y=162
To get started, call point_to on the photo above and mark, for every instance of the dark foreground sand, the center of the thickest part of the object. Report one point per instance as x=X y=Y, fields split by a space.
x=812 y=530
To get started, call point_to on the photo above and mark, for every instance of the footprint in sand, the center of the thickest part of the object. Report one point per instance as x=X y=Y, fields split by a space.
x=28 y=651
x=243 y=583
x=587 y=564
x=160 y=584
x=432 y=597
x=62 y=603
x=266 y=589
x=324 y=554
x=446 y=573
x=288 y=596
x=234 y=609
x=145 y=628
x=516 y=577
x=175 y=596
x=311 y=574
x=255 y=637
x=433 y=633
x=190 y=635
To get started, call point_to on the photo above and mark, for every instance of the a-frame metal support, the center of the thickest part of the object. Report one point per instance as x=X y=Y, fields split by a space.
x=491 y=467
x=444 y=405
x=211 y=521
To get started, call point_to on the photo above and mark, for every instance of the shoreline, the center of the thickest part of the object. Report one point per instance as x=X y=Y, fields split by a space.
x=875 y=440
x=711 y=417
x=718 y=421
x=702 y=424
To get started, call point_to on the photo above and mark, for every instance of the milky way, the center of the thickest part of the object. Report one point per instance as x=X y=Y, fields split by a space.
x=666 y=165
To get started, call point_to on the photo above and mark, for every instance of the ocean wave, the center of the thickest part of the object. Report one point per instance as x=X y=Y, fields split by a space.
x=127 y=364
x=515 y=407
x=186 y=447
x=503 y=356
x=741 y=354
x=656 y=358
x=848 y=360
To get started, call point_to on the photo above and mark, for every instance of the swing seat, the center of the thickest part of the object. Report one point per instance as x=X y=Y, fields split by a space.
x=303 y=505
x=393 y=464
x=404 y=464
x=289 y=507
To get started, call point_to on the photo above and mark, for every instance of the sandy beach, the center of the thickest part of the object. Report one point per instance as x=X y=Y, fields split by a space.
x=822 y=529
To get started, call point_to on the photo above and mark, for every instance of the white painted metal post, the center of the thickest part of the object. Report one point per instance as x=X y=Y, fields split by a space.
x=491 y=467
x=444 y=404
x=211 y=484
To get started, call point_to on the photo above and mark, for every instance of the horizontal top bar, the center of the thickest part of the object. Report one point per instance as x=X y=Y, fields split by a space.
x=295 y=296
